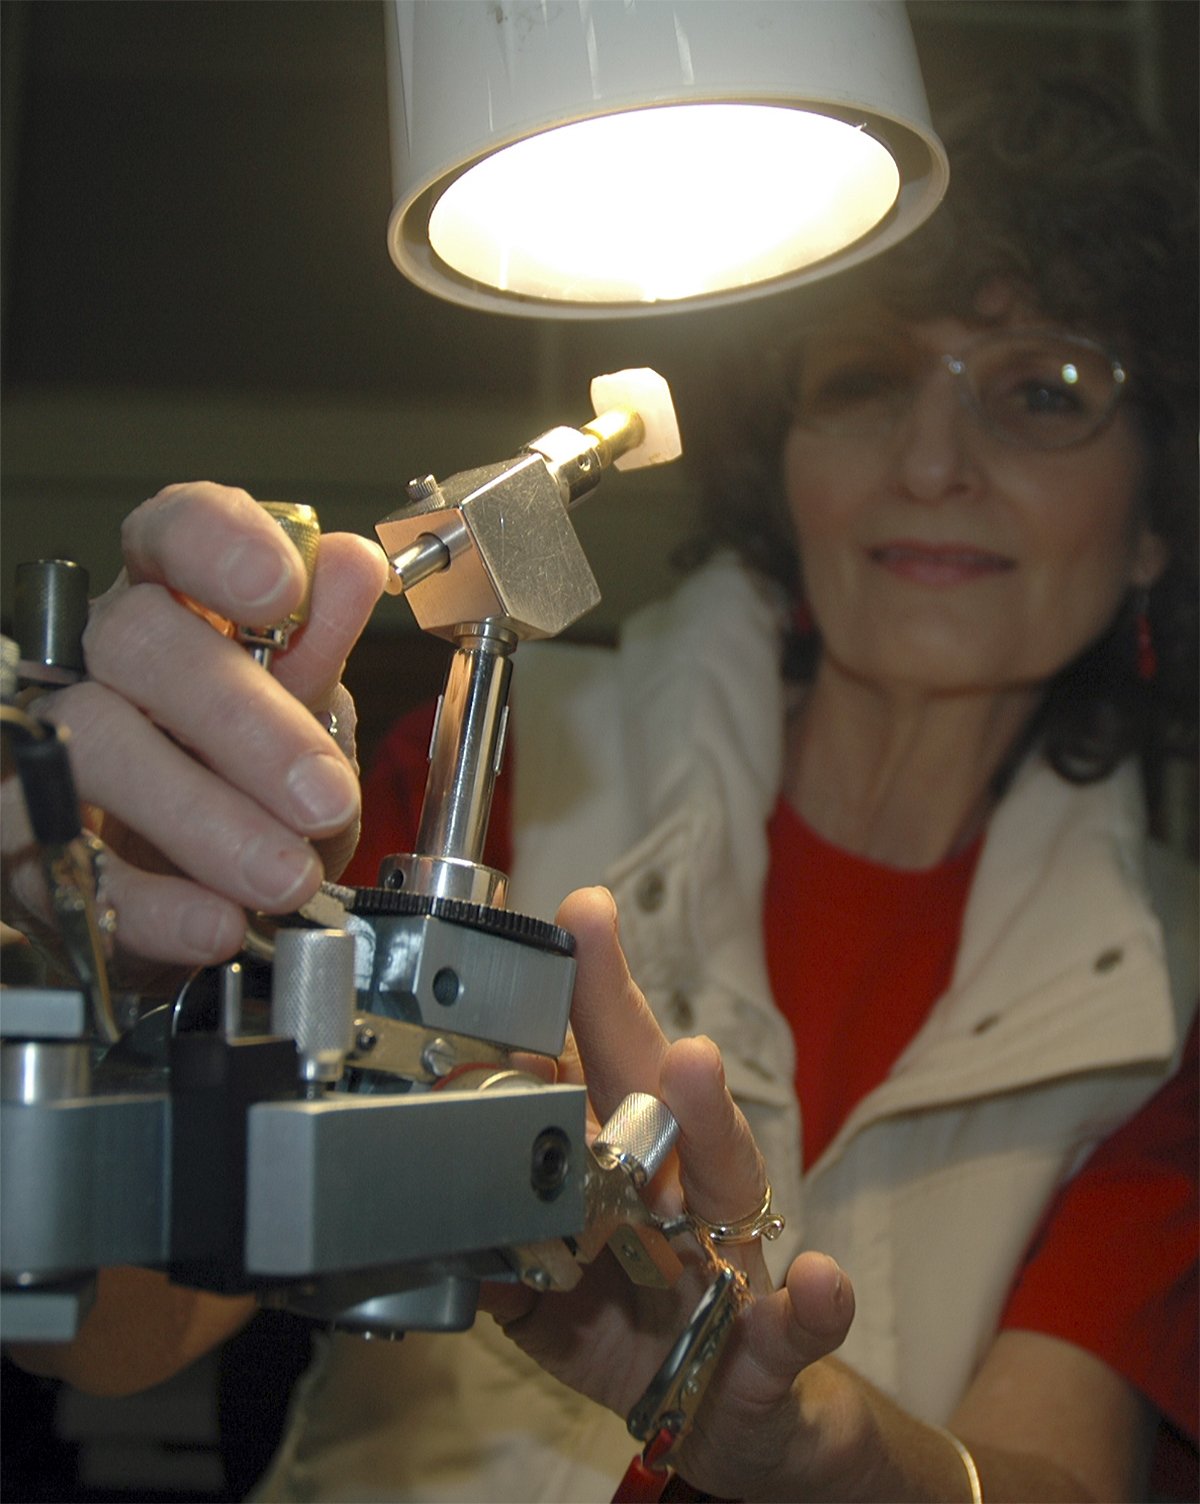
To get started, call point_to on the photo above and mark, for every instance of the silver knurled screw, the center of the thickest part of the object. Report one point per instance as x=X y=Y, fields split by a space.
x=638 y=1136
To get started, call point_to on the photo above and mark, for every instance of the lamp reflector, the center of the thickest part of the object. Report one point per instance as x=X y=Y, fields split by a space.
x=591 y=159
x=699 y=199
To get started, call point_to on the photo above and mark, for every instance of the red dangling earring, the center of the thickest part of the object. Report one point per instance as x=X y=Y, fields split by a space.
x=1147 y=657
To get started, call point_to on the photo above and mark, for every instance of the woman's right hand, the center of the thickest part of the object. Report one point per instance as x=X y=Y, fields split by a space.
x=212 y=783
x=776 y=1416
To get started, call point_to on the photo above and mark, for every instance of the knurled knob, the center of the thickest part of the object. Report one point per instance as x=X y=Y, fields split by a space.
x=638 y=1136
x=301 y=525
x=313 y=997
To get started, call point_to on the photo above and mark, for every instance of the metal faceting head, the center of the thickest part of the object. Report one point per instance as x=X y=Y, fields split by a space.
x=512 y=551
x=493 y=974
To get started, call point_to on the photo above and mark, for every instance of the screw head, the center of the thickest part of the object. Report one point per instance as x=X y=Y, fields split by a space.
x=438 y=1058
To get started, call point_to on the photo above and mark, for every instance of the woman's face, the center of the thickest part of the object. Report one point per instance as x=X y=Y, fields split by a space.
x=938 y=554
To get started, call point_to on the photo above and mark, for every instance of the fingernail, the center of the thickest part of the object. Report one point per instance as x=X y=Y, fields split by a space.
x=278 y=875
x=323 y=790
x=255 y=573
x=841 y=1285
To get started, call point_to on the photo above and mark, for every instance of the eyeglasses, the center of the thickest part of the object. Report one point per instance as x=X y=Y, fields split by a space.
x=1035 y=389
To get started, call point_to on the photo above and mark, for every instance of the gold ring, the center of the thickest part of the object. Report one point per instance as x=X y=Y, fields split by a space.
x=763 y=1223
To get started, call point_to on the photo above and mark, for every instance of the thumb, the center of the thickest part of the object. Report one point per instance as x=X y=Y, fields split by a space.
x=784 y=1332
x=346 y=584
x=751 y=1418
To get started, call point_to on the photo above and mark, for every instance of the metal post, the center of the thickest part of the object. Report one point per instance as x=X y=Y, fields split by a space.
x=468 y=741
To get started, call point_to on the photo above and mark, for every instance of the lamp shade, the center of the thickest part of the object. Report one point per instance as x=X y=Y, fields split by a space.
x=586 y=158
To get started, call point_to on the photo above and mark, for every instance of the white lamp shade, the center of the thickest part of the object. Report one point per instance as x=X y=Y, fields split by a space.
x=586 y=158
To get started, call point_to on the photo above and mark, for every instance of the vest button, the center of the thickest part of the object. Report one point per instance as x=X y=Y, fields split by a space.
x=680 y=1011
x=1107 y=960
x=650 y=891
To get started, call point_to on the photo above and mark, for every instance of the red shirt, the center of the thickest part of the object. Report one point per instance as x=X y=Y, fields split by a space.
x=1113 y=1266
x=857 y=953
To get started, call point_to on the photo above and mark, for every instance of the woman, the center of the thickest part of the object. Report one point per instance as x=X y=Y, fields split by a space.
x=983 y=1004
x=979 y=551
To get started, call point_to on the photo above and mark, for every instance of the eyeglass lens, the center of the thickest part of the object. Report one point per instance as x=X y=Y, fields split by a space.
x=1042 y=391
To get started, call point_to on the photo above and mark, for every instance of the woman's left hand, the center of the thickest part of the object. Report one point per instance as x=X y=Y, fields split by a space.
x=213 y=785
x=607 y=1337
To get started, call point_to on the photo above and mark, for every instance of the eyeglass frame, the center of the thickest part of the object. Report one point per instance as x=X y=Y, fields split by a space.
x=958 y=369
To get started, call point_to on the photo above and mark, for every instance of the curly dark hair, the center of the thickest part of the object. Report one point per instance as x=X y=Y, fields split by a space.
x=1058 y=189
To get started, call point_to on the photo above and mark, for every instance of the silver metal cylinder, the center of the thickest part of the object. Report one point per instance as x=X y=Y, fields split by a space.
x=445 y=877
x=231 y=989
x=44 y=1071
x=468 y=741
x=638 y=1136
x=313 y=998
x=427 y=555
x=50 y=612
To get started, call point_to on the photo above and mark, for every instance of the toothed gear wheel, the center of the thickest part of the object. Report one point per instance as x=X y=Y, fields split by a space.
x=384 y=902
